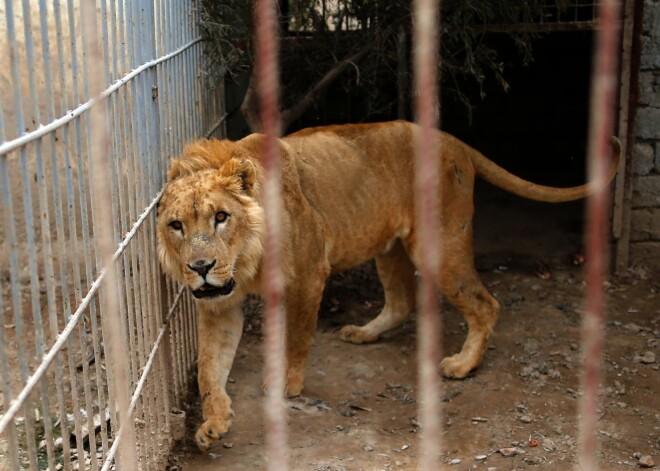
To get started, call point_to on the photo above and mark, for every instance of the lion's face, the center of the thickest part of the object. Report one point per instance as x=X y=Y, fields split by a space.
x=210 y=230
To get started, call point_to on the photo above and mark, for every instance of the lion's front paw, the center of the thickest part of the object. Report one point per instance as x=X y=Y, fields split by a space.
x=213 y=429
x=356 y=334
x=295 y=381
x=456 y=366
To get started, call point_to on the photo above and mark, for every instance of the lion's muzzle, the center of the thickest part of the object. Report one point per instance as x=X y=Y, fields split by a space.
x=202 y=267
x=211 y=291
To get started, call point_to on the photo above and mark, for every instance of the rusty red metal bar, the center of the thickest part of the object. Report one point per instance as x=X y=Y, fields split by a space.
x=604 y=83
x=268 y=87
x=426 y=41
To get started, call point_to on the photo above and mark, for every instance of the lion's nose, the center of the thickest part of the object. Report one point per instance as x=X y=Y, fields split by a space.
x=202 y=267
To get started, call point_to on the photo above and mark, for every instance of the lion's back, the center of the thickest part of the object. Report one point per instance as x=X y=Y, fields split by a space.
x=359 y=179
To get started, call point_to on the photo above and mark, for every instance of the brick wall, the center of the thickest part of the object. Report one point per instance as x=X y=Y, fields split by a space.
x=645 y=216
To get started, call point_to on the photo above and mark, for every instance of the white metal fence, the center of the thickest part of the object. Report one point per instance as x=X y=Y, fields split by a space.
x=95 y=96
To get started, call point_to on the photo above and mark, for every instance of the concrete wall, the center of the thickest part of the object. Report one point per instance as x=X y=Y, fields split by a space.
x=645 y=216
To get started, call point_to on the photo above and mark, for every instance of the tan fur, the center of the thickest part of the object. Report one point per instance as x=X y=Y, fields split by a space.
x=348 y=196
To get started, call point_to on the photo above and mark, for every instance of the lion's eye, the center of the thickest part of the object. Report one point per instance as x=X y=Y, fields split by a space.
x=176 y=225
x=221 y=216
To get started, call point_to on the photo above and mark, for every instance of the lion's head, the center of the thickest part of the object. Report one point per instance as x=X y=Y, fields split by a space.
x=210 y=221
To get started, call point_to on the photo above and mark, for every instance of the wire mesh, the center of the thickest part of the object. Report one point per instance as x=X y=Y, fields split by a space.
x=96 y=95
x=565 y=15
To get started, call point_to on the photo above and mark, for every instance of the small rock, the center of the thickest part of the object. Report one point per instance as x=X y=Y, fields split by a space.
x=620 y=388
x=531 y=346
x=455 y=461
x=525 y=419
x=507 y=452
x=527 y=371
x=554 y=374
x=480 y=457
x=228 y=445
x=646 y=461
x=647 y=358
x=548 y=445
x=532 y=460
x=368 y=448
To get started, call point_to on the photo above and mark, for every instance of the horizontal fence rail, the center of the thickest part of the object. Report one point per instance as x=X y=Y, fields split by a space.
x=96 y=96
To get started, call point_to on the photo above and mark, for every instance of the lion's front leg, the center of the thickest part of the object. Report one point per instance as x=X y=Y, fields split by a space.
x=219 y=333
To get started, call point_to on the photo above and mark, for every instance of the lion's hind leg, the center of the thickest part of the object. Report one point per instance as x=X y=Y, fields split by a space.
x=397 y=274
x=463 y=288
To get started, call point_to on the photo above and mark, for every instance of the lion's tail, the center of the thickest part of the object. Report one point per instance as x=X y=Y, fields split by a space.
x=493 y=173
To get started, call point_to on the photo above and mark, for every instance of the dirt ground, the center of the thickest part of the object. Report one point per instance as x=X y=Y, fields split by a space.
x=359 y=408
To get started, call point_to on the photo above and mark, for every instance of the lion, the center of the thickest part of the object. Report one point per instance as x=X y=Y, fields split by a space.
x=348 y=196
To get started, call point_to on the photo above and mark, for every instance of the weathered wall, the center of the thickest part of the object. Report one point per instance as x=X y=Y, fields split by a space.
x=645 y=216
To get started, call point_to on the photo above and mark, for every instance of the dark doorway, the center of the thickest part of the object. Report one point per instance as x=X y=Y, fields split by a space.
x=538 y=128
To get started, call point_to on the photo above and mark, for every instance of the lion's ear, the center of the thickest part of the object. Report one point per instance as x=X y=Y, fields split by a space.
x=245 y=171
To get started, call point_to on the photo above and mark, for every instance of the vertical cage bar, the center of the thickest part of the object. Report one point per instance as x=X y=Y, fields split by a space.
x=150 y=110
x=427 y=191
x=90 y=52
x=116 y=67
x=12 y=442
x=46 y=233
x=135 y=41
x=82 y=127
x=167 y=375
x=126 y=193
x=7 y=393
x=99 y=139
x=66 y=212
x=10 y=225
x=133 y=189
x=267 y=70
x=111 y=114
x=601 y=124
